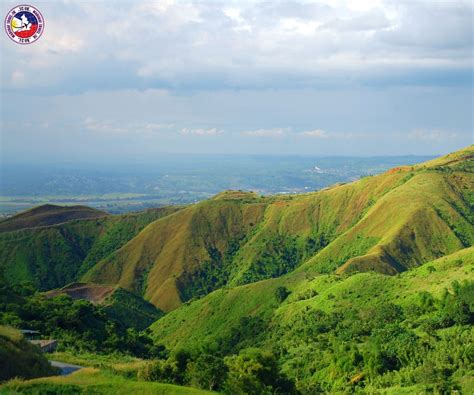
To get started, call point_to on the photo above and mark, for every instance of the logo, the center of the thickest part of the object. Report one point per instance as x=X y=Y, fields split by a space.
x=24 y=24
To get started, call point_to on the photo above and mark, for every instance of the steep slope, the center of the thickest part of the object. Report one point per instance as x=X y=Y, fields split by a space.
x=157 y=261
x=234 y=238
x=429 y=216
x=48 y=215
x=387 y=223
x=53 y=256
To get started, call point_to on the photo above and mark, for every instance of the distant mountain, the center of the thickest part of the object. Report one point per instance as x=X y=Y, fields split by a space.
x=47 y=215
x=49 y=257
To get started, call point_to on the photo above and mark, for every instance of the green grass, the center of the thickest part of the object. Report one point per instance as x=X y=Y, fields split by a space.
x=90 y=380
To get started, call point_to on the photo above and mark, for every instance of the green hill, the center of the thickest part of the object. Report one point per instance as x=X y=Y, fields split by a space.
x=47 y=215
x=19 y=358
x=53 y=256
x=364 y=287
x=387 y=223
x=326 y=310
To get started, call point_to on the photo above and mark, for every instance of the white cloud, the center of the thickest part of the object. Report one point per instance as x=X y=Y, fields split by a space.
x=244 y=44
x=103 y=126
x=265 y=133
x=317 y=133
x=158 y=126
x=201 y=132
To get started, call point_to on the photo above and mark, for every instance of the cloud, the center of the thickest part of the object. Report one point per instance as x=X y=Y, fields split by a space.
x=107 y=126
x=103 y=126
x=272 y=133
x=317 y=133
x=201 y=132
x=432 y=135
x=158 y=126
x=248 y=45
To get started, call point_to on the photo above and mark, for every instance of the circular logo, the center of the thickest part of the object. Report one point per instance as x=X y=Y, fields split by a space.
x=24 y=24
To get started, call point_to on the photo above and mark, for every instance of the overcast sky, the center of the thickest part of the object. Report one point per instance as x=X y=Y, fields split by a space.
x=119 y=80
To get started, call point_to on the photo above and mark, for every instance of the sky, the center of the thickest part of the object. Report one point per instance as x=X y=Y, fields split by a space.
x=118 y=80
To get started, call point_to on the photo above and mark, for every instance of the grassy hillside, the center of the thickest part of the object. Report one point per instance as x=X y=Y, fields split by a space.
x=235 y=238
x=19 y=358
x=48 y=215
x=359 y=288
x=162 y=260
x=53 y=256
x=388 y=223
x=337 y=318
x=201 y=321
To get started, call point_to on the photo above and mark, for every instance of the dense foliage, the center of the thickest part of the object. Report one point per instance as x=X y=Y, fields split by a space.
x=425 y=345
x=252 y=371
x=76 y=324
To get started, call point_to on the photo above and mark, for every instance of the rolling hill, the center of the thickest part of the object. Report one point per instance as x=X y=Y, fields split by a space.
x=53 y=256
x=388 y=223
x=47 y=215
x=360 y=287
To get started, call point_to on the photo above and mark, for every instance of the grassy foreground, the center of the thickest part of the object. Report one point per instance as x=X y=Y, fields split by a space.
x=93 y=380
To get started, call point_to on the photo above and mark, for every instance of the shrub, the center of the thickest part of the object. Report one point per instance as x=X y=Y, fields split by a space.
x=281 y=293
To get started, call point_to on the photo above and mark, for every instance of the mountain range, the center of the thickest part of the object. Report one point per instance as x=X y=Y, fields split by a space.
x=240 y=269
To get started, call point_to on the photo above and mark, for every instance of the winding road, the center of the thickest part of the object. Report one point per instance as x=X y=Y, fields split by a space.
x=66 y=368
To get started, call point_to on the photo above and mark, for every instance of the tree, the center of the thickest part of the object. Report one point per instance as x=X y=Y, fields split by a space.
x=281 y=293
x=254 y=371
x=208 y=372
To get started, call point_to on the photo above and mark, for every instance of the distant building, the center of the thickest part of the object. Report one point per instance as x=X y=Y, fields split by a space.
x=29 y=334
x=45 y=345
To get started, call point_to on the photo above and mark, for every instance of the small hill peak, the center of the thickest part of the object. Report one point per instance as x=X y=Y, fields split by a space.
x=235 y=195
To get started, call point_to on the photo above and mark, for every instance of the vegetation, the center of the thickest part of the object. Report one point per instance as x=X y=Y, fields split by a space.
x=388 y=223
x=19 y=358
x=53 y=256
x=264 y=295
x=76 y=324
x=47 y=215
x=94 y=381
